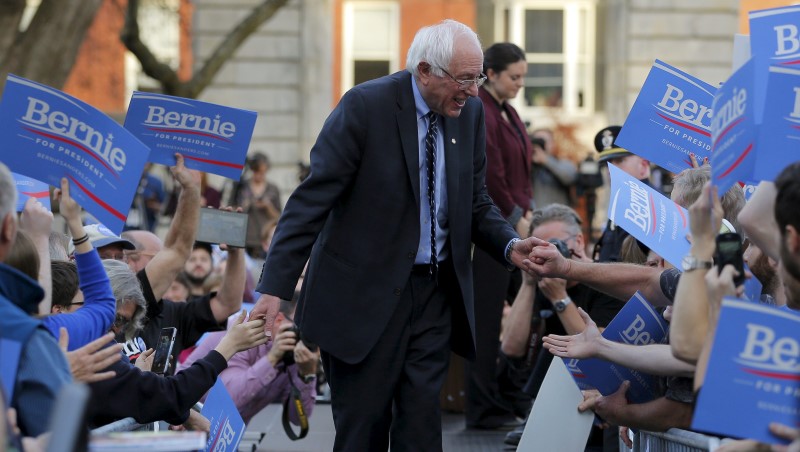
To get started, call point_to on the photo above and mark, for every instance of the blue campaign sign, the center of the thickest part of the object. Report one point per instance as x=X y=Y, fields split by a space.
x=755 y=356
x=670 y=119
x=212 y=138
x=774 y=40
x=227 y=426
x=637 y=323
x=31 y=188
x=658 y=222
x=733 y=130
x=779 y=135
x=752 y=286
x=48 y=135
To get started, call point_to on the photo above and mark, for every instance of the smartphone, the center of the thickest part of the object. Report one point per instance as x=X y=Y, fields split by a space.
x=164 y=350
x=221 y=226
x=730 y=251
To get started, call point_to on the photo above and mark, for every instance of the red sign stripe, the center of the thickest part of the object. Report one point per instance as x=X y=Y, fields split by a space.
x=214 y=162
x=77 y=145
x=190 y=132
x=99 y=201
x=737 y=162
x=687 y=126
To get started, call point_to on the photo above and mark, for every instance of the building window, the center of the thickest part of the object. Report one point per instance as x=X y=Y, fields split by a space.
x=371 y=41
x=558 y=39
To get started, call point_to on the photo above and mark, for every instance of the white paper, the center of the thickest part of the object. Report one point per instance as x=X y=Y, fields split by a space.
x=555 y=425
x=741 y=51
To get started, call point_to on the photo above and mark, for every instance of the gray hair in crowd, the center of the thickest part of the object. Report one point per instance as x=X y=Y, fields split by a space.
x=434 y=45
x=8 y=192
x=557 y=212
x=127 y=289
x=689 y=184
x=58 y=244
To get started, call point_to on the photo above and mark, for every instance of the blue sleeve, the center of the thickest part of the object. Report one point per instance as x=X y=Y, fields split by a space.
x=97 y=314
x=43 y=369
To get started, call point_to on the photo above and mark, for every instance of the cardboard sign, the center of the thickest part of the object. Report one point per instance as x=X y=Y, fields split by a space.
x=779 y=134
x=774 y=40
x=670 y=119
x=752 y=376
x=212 y=138
x=555 y=423
x=649 y=216
x=227 y=426
x=31 y=188
x=48 y=135
x=733 y=130
x=637 y=323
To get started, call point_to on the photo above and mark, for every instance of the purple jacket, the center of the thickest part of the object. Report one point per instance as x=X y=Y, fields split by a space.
x=252 y=381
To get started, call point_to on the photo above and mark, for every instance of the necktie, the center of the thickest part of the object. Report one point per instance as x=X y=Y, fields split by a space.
x=430 y=153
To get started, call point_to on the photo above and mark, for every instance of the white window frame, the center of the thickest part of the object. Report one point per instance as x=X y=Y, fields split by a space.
x=572 y=59
x=348 y=30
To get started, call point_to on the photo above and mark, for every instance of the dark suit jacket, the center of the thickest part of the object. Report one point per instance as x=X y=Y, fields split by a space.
x=359 y=210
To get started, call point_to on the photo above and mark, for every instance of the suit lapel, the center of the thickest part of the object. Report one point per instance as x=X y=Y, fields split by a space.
x=407 y=126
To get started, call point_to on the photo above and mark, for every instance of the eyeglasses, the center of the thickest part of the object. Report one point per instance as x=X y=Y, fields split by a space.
x=121 y=322
x=135 y=255
x=113 y=256
x=467 y=84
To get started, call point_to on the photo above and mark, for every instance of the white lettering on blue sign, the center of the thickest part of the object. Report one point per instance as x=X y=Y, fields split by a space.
x=61 y=124
x=688 y=110
x=787 y=39
x=159 y=116
x=730 y=111
x=762 y=347
x=639 y=210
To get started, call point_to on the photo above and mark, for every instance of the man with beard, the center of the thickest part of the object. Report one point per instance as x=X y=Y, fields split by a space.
x=198 y=267
x=788 y=219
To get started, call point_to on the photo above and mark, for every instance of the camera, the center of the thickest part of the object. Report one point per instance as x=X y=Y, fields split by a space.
x=536 y=141
x=729 y=251
x=562 y=247
x=288 y=357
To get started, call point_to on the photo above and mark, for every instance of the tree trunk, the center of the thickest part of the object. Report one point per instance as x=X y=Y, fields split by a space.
x=46 y=51
x=168 y=78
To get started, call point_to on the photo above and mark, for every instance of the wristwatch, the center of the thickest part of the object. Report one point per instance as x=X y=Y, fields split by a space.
x=690 y=263
x=561 y=305
x=308 y=378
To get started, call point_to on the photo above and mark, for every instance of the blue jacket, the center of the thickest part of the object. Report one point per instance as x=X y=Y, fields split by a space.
x=96 y=316
x=32 y=367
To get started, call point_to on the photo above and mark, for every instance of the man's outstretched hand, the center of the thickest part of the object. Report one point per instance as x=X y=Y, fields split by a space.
x=266 y=308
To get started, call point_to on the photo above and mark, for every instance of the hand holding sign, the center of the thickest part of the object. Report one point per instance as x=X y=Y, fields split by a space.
x=705 y=217
x=36 y=219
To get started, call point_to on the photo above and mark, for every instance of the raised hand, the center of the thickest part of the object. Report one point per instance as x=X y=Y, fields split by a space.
x=36 y=219
x=182 y=174
x=242 y=336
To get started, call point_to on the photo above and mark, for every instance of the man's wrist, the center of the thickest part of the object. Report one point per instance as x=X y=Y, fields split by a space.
x=510 y=249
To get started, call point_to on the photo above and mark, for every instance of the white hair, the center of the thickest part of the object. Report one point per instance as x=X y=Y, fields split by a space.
x=434 y=45
x=8 y=192
x=127 y=289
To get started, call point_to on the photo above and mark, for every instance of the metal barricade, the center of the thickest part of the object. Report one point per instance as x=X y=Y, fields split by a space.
x=128 y=424
x=673 y=440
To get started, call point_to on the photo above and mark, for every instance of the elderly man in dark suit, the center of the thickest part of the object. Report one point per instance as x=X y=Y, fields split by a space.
x=388 y=292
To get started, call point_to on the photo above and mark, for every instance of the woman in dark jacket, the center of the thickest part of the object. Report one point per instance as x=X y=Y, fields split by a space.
x=508 y=163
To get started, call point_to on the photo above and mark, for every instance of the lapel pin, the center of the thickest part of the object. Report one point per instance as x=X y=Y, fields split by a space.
x=453 y=140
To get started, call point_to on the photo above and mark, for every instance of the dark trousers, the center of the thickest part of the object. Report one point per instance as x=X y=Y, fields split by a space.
x=485 y=406
x=393 y=394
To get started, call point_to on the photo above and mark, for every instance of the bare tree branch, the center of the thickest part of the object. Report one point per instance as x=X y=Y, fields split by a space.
x=168 y=78
x=47 y=50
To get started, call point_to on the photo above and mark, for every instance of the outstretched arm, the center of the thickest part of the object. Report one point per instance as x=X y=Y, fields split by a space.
x=618 y=280
x=168 y=262
x=655 y=359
